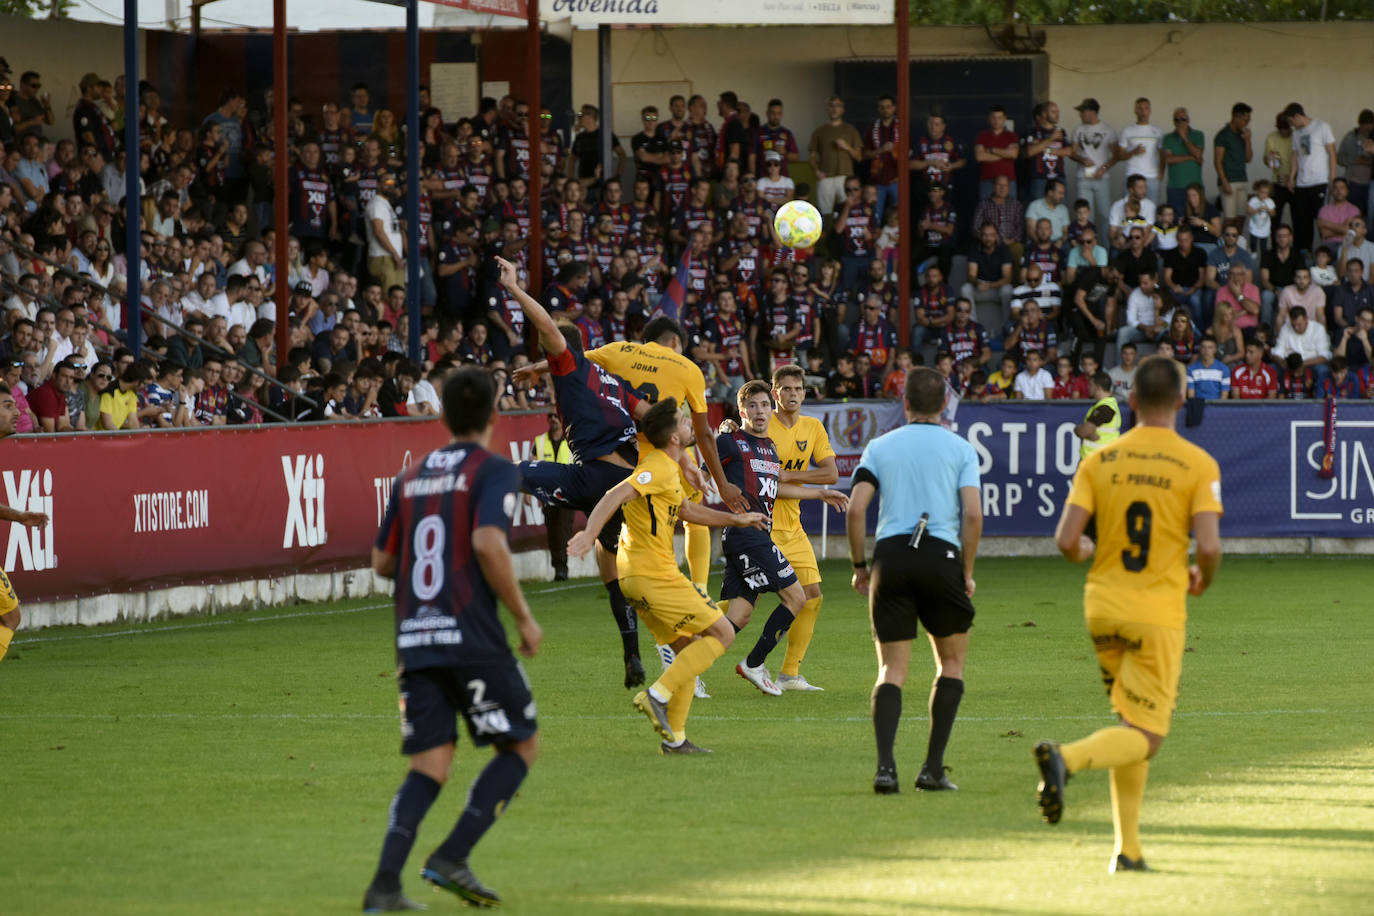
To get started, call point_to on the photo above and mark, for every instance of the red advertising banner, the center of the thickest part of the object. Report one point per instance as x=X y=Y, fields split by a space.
x=133 y=511
x=516 y=8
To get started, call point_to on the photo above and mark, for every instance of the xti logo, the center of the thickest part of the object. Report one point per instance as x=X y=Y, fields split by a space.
x=304 y=500
x=30 y=491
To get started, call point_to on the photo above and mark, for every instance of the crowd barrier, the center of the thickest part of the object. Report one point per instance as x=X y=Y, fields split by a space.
x=136 y=511
x=1269 y=454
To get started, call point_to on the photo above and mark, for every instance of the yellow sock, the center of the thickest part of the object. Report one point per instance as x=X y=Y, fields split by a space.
x=1117 y=746
x=799 y=636
x=688 y=665
x=678 y=708
x=699 y=554
x=6 y=634
x=1128 y=791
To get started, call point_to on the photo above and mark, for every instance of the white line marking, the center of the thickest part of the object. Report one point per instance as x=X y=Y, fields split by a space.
x=288 y=716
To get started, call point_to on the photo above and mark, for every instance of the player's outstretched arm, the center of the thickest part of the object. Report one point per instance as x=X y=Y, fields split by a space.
x=831 y=497
x=28 y=519
x=531 y=372
x=616 y=497
x=550 y=338
x=1069 y=538
x=698 y=514
x=492 y=550
x=825 y=472
x=1207 y=530
x=856 y=529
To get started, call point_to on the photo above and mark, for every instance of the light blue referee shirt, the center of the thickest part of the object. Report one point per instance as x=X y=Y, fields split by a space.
x=920 y=468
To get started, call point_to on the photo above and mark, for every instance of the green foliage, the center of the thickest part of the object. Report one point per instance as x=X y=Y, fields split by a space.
x=35 y=8
x=243 y=764
x=1095 y=12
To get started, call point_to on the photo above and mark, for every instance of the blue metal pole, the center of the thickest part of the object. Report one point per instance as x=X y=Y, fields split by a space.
x=133 y=317
x=413 y=160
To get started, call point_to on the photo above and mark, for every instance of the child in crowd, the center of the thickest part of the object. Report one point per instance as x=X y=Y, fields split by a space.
x=1131 y=219
x=894 y=386
x=887 y=242
x=1034 y=384
x=1068 y=385
x=1323 y=271
x=1003 y=379
x=1261 y=209
x=1082 y=219
x=1296 y=381
x=1166 y=230
x=979 y=388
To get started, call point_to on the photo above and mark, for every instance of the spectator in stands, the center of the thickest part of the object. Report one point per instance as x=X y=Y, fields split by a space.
x=1349 y=298
x=1357 y=246
x=887 y=145
x=1302 y=292
x=771 y=136
x=1353 y=344
x=996 y=151
x=1137 y=189
x=1182 y=152
x=934 y=307
x=1033 y=383
x=1033 y=332
x=1068 y=384
x=49 y=401
x=1144 y=308
x=1093 y=306
x=1231 y=154
x=1307 y=340
x=1341 y=382
x=32 y=172
x=1004 y=212
x=119 y=403
x=989 y=269
x=1230 y=340
x=1045 y=145
x=1254 y=379
x=843 y=382
x=30 y=109
x=1141 y=149
x=1356 y=155
x=98 y=381
x=857 y=227
x=1242 y=295
x=963 y=336
x=1310 y=171
x=1123 y=374
x=1336 y=217
x=1208 y=377
x=1094 y=149
x=1050 y=206
x=1221 y=259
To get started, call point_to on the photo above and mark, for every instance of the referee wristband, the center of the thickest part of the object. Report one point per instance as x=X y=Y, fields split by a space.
x=861 y=564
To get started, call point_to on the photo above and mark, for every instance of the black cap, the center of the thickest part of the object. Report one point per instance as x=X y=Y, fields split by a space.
x=303 y=288
x=1088 y=105
x=676 y=146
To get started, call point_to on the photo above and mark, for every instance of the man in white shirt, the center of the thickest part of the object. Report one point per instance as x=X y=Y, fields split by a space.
x=1307 y=339
x=1033 y=382
x=254 y=261
x=1094 y=149
x=1357 y=245
x=196 y=299
x=221 y=305
x=1137 y=189
x=1123 y=375
x=1312 y=167
x=385 y=244
x=1142 y=150
x=1143 y=306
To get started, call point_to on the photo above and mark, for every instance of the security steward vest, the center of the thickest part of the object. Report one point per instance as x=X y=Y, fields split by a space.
x=1106 y=432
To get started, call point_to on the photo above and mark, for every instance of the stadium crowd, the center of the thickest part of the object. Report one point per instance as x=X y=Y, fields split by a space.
x=1262 y=288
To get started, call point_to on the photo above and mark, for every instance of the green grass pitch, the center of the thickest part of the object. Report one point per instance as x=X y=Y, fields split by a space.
x=244 y=764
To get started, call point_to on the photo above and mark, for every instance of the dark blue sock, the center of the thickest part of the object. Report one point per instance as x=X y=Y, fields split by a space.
x=408 y=808
x=491 y=792
x=625 y=619
x=779 y=622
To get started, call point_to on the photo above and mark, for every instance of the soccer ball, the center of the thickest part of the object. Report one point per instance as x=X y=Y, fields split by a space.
x=797 y=224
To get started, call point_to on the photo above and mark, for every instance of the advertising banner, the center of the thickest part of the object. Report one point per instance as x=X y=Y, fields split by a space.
x=720 y=12
x=148 y=510
x=1270 y=457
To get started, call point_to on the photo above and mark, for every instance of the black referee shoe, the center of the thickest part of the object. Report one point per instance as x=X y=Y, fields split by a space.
x=1053 y=775
x=1121 y=863
x=936 y=782
x=885 y=781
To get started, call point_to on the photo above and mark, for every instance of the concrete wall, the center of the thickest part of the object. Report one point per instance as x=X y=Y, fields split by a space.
x=1329 y=67
x=64 y=51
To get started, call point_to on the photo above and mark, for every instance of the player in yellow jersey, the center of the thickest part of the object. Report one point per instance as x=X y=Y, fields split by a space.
x=1145 y=491
x=676 y=610
x=9 y=601
x=800 y=441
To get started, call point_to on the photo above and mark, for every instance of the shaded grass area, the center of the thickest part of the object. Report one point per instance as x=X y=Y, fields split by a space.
x=244 y=764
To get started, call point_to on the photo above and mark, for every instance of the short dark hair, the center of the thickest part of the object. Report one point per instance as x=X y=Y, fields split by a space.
x=661 y=327
x=749 y=389
x=925 y=391
x=1102 y=380
x=469 y=400
x=261 y=328
x=1158 y=382
x=1239 y=109
x=660 y=422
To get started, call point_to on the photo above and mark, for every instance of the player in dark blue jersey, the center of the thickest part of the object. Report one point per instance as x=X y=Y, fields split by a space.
x=444 y=541
x=753 y=563
x=596 y=408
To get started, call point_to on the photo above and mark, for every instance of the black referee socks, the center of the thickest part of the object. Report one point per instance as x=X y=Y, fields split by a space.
x=944 y=706
x=887 y=712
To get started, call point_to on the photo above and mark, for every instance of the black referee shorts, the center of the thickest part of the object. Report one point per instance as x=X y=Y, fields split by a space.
x=924 y=586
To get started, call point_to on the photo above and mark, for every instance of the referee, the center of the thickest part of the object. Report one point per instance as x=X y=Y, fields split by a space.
x=922 y=566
